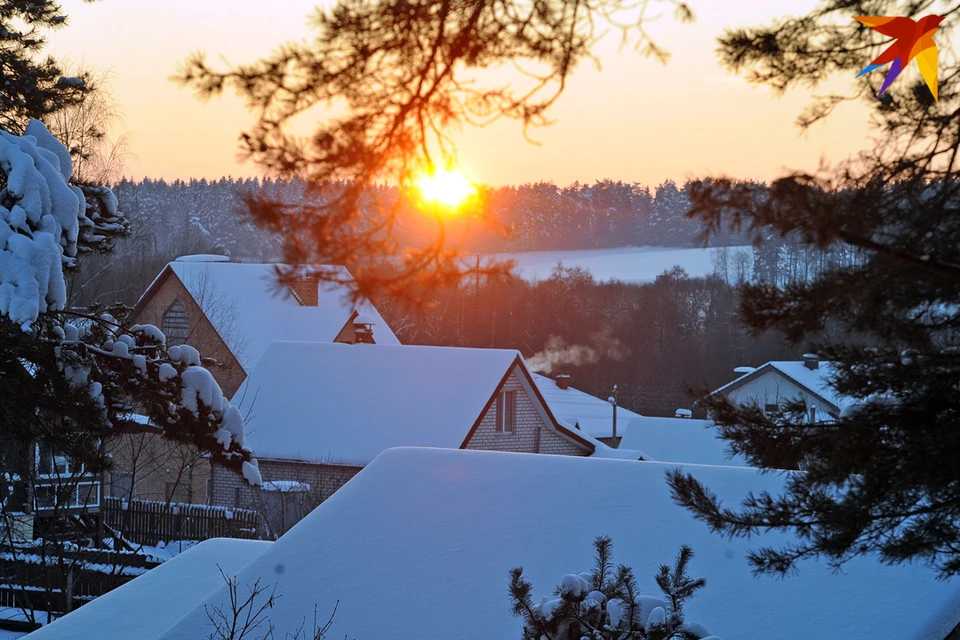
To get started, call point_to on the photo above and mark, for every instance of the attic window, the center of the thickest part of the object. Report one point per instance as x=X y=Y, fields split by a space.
x=176 y=324
x=506 y=411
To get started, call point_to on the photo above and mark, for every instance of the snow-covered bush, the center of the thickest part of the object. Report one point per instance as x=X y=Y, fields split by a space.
x=606 y=604
x=78 y=375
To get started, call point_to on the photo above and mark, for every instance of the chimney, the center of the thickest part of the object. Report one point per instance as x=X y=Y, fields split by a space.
x=563 y=381
x=363 y=329
x=811 y=361
x=306 y=290
x=683 y=413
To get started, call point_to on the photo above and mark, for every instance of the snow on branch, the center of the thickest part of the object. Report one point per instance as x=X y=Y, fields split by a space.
x=100 y=370
x=44 y=222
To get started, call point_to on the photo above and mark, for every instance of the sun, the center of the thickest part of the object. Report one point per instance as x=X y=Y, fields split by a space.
x=448 y=187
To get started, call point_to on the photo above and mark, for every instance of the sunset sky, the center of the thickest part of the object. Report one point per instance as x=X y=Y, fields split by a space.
x=634 y=120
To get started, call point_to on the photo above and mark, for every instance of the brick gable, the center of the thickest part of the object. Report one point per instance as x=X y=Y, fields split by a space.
x=533 y=433
x=202 y=335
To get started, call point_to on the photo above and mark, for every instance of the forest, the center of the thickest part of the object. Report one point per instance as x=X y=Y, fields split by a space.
x=651 y=340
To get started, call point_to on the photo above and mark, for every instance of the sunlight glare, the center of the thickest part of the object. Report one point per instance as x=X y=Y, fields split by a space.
x=448 y=187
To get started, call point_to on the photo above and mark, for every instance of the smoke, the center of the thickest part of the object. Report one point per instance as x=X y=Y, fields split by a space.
x=600 y=346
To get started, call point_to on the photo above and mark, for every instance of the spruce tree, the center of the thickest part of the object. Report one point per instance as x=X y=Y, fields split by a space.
x=878 y=479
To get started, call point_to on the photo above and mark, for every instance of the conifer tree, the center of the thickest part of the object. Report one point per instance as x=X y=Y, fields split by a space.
x=33 y=86
x=606 y=604
x=69 y=378
x=404 y=73
x=878 y=478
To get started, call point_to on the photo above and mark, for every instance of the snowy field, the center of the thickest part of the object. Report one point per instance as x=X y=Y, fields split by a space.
x=627 y=264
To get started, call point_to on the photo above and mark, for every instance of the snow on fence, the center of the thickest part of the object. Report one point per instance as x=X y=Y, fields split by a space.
x=31 y=581
x=149 y=522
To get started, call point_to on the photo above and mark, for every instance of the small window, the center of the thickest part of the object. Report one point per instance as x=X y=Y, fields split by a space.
x=770 y=408
x=54 y=463
x=506 y=411
x=121 y=485
x=176 y=324
x=236 y=497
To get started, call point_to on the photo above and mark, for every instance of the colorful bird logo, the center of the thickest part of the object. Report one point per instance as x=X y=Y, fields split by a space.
x=914 y=39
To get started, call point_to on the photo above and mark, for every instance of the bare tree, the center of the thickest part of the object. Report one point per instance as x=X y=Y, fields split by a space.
x=85 y=129
x=245 y=615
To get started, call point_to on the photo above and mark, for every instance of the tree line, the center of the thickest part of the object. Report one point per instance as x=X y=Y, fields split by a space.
x=650 y=340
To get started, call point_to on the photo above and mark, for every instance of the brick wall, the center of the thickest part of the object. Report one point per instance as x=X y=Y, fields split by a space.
x=202 y=334
x=524 y=437
x=348 y=334
x=150 y=467
x=231 y=490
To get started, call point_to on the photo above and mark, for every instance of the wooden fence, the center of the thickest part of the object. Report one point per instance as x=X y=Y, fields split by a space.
x=27 y=582
x=149 y=522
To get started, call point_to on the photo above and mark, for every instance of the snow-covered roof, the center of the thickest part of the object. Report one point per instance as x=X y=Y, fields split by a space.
x=678 y=440
x=153 y=602
x=347 y=403
x=595 y=416
x=247 y=309
x=420 y=543
x=816 y=381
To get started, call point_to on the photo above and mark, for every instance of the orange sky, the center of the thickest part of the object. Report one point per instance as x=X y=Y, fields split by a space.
x=634 y=120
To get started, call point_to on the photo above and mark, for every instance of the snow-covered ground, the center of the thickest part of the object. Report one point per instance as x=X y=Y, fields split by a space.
x=628 y=264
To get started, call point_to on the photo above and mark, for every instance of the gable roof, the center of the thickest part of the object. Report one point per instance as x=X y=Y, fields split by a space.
x=436 y=532
x=678 y=440
x=347 y=403
x=244 y=304
x=156 y=600
x=814 y=381
x=592 y=414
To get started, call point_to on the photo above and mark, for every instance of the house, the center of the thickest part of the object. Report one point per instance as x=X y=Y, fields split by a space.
x=316 y=413
x=39 y=485
x=774 y=383
x=420 y=544
x=678 y=440
x=231 y=312
x=159 y=598
x=591 y=414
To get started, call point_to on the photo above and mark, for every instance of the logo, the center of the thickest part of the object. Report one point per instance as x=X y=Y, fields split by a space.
x=914 y=39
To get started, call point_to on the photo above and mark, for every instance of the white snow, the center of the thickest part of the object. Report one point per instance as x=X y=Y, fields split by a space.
x=204 y=257
x=245 y=307
x=251 y=473
x=150 y=331
x=573 y=585
x=155 y=601
x=592 y=414
x=166 y=372
x=185 y=354
x=199 y=387
x=38 y=234
x=347 y=403
x=426 y=538
x=677 y=440
x=286 y=486
x=814 y=380
x=635 y=265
